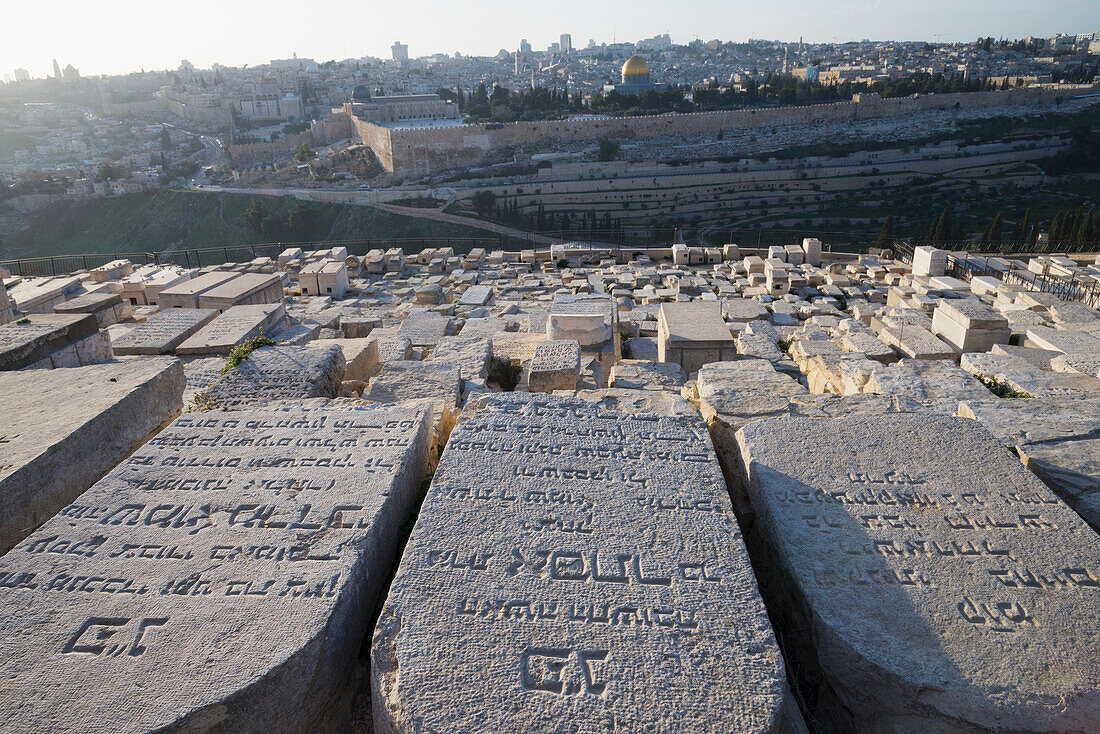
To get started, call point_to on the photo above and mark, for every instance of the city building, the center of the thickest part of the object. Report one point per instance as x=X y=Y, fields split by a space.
x=400 y=52
x=22 y=75
x=635 y=78
x=565 y=43
x=397 y=108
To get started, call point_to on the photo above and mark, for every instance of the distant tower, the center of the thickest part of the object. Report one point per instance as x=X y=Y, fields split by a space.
x=786 y=61
x=519 y=63
x=566 y=43
x=524 y=47
x=800 y=46
x=56 y=70
x=400 y=52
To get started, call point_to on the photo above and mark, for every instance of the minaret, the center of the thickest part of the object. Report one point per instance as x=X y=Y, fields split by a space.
x=786 y=61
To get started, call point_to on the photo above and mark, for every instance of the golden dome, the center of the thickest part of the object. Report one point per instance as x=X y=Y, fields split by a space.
x=635 y=66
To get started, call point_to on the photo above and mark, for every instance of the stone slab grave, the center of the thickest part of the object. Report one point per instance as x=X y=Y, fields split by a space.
x=424 y=328
x=969 y=325
x=53 y=340
x=407 y=381
x=360 y=355
x=245 y=290
x=235 y=325
x=186 y=294
x=938 y=385
x=636 y=374
x=929 y=579
x=1057 y=438
x=221 y=579
x=576 y=569
x=693 y=334
x=470 y=352
x=279 y=373
x=62 y=430
x=555 y=366
x=108 y=308
x=163 y=331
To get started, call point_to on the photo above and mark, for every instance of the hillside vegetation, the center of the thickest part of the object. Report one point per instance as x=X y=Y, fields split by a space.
x=172 y=219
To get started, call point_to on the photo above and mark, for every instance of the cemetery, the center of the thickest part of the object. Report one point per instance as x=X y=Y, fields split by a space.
x=781 y=490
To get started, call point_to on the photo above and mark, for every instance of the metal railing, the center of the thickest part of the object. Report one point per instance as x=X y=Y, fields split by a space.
x=987 y=260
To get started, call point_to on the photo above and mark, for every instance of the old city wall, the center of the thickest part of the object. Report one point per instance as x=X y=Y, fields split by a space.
x=424 y=151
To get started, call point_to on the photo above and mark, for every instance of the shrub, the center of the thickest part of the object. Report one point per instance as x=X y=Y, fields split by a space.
x=504 y=372
x=240 y=352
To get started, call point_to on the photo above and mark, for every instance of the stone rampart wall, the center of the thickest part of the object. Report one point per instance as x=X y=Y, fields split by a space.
x=411 y=152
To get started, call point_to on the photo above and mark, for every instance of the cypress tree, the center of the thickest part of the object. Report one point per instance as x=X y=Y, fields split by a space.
x=886 y=235
x=993 y=234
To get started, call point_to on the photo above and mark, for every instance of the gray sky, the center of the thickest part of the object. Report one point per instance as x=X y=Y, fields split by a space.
x=114 y=36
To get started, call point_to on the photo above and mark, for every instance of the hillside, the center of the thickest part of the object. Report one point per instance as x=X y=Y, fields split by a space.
x=172 y=219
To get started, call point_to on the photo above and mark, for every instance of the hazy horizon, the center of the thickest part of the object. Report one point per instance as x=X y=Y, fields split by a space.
x=121 y=36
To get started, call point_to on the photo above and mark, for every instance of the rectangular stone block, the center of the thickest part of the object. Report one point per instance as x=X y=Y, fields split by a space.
x=186 y=294
x=35 y=337
x=60 y=431
x=360 y=355
x=234 y=326
x=928 y=581
x=555 y=366
x=249 y=289
x=576 y=569
x=221 y=579
x=165 y=330
x=108 y=308
x=694 y=334
x=279 y=373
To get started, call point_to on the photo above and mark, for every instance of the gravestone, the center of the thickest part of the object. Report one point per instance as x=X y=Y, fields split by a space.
x=108 y=308
x=186 y=294
x=470 y=352
x=941 y=585
x=62 y=430
x=221 y=579
x=235 y=326
x=1057 y=438
x=163 y=331
x=694 y=334
x=424 y=328
x=52 y=340
x=576 y=569
x=555 y=366
x=279 y=373
x=245 y=290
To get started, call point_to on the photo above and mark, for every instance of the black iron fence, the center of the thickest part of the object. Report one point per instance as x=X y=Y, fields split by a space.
x=989 y=260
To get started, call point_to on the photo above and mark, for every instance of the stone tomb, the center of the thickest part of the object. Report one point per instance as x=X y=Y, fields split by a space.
x=694 y=334
x=186 y=294
x=222 y=578
x=249 y=289
x=576 y=569
x=236 y=325
x=53 y=340
x=108 y=308
x=942 y=585
x=555 y=366
x=279 y=373
x=163 y=331
x=62 y=430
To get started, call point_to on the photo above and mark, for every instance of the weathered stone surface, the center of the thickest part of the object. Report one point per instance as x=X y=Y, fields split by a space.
x=643 y=375
x=404 y=381
x=163 y=331
x=555 y=366
x=360 y=355
x=425 y=328
x=624 y=400
x=939 y=581
x=279 y=373
x=916 y=342
x=545 y=588
x=186 y=294
x=108 y=308
x=24 y=344
x=236 y=325
x=693 y=334
x=221 y=579
x=200 y=374
x=749 y=389
x=1057 y=438
x=471 y=352
x=939 y=385
x=61 y=431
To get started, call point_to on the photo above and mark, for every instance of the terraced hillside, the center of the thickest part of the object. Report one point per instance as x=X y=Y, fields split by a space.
x=176 y=219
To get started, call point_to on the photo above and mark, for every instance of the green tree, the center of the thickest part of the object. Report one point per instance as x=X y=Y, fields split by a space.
x=165 y=139
x=483 y=202
x=993 y=234
x=608 y=150
x=253 y=217
x=886 y=235
x=303 y=152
